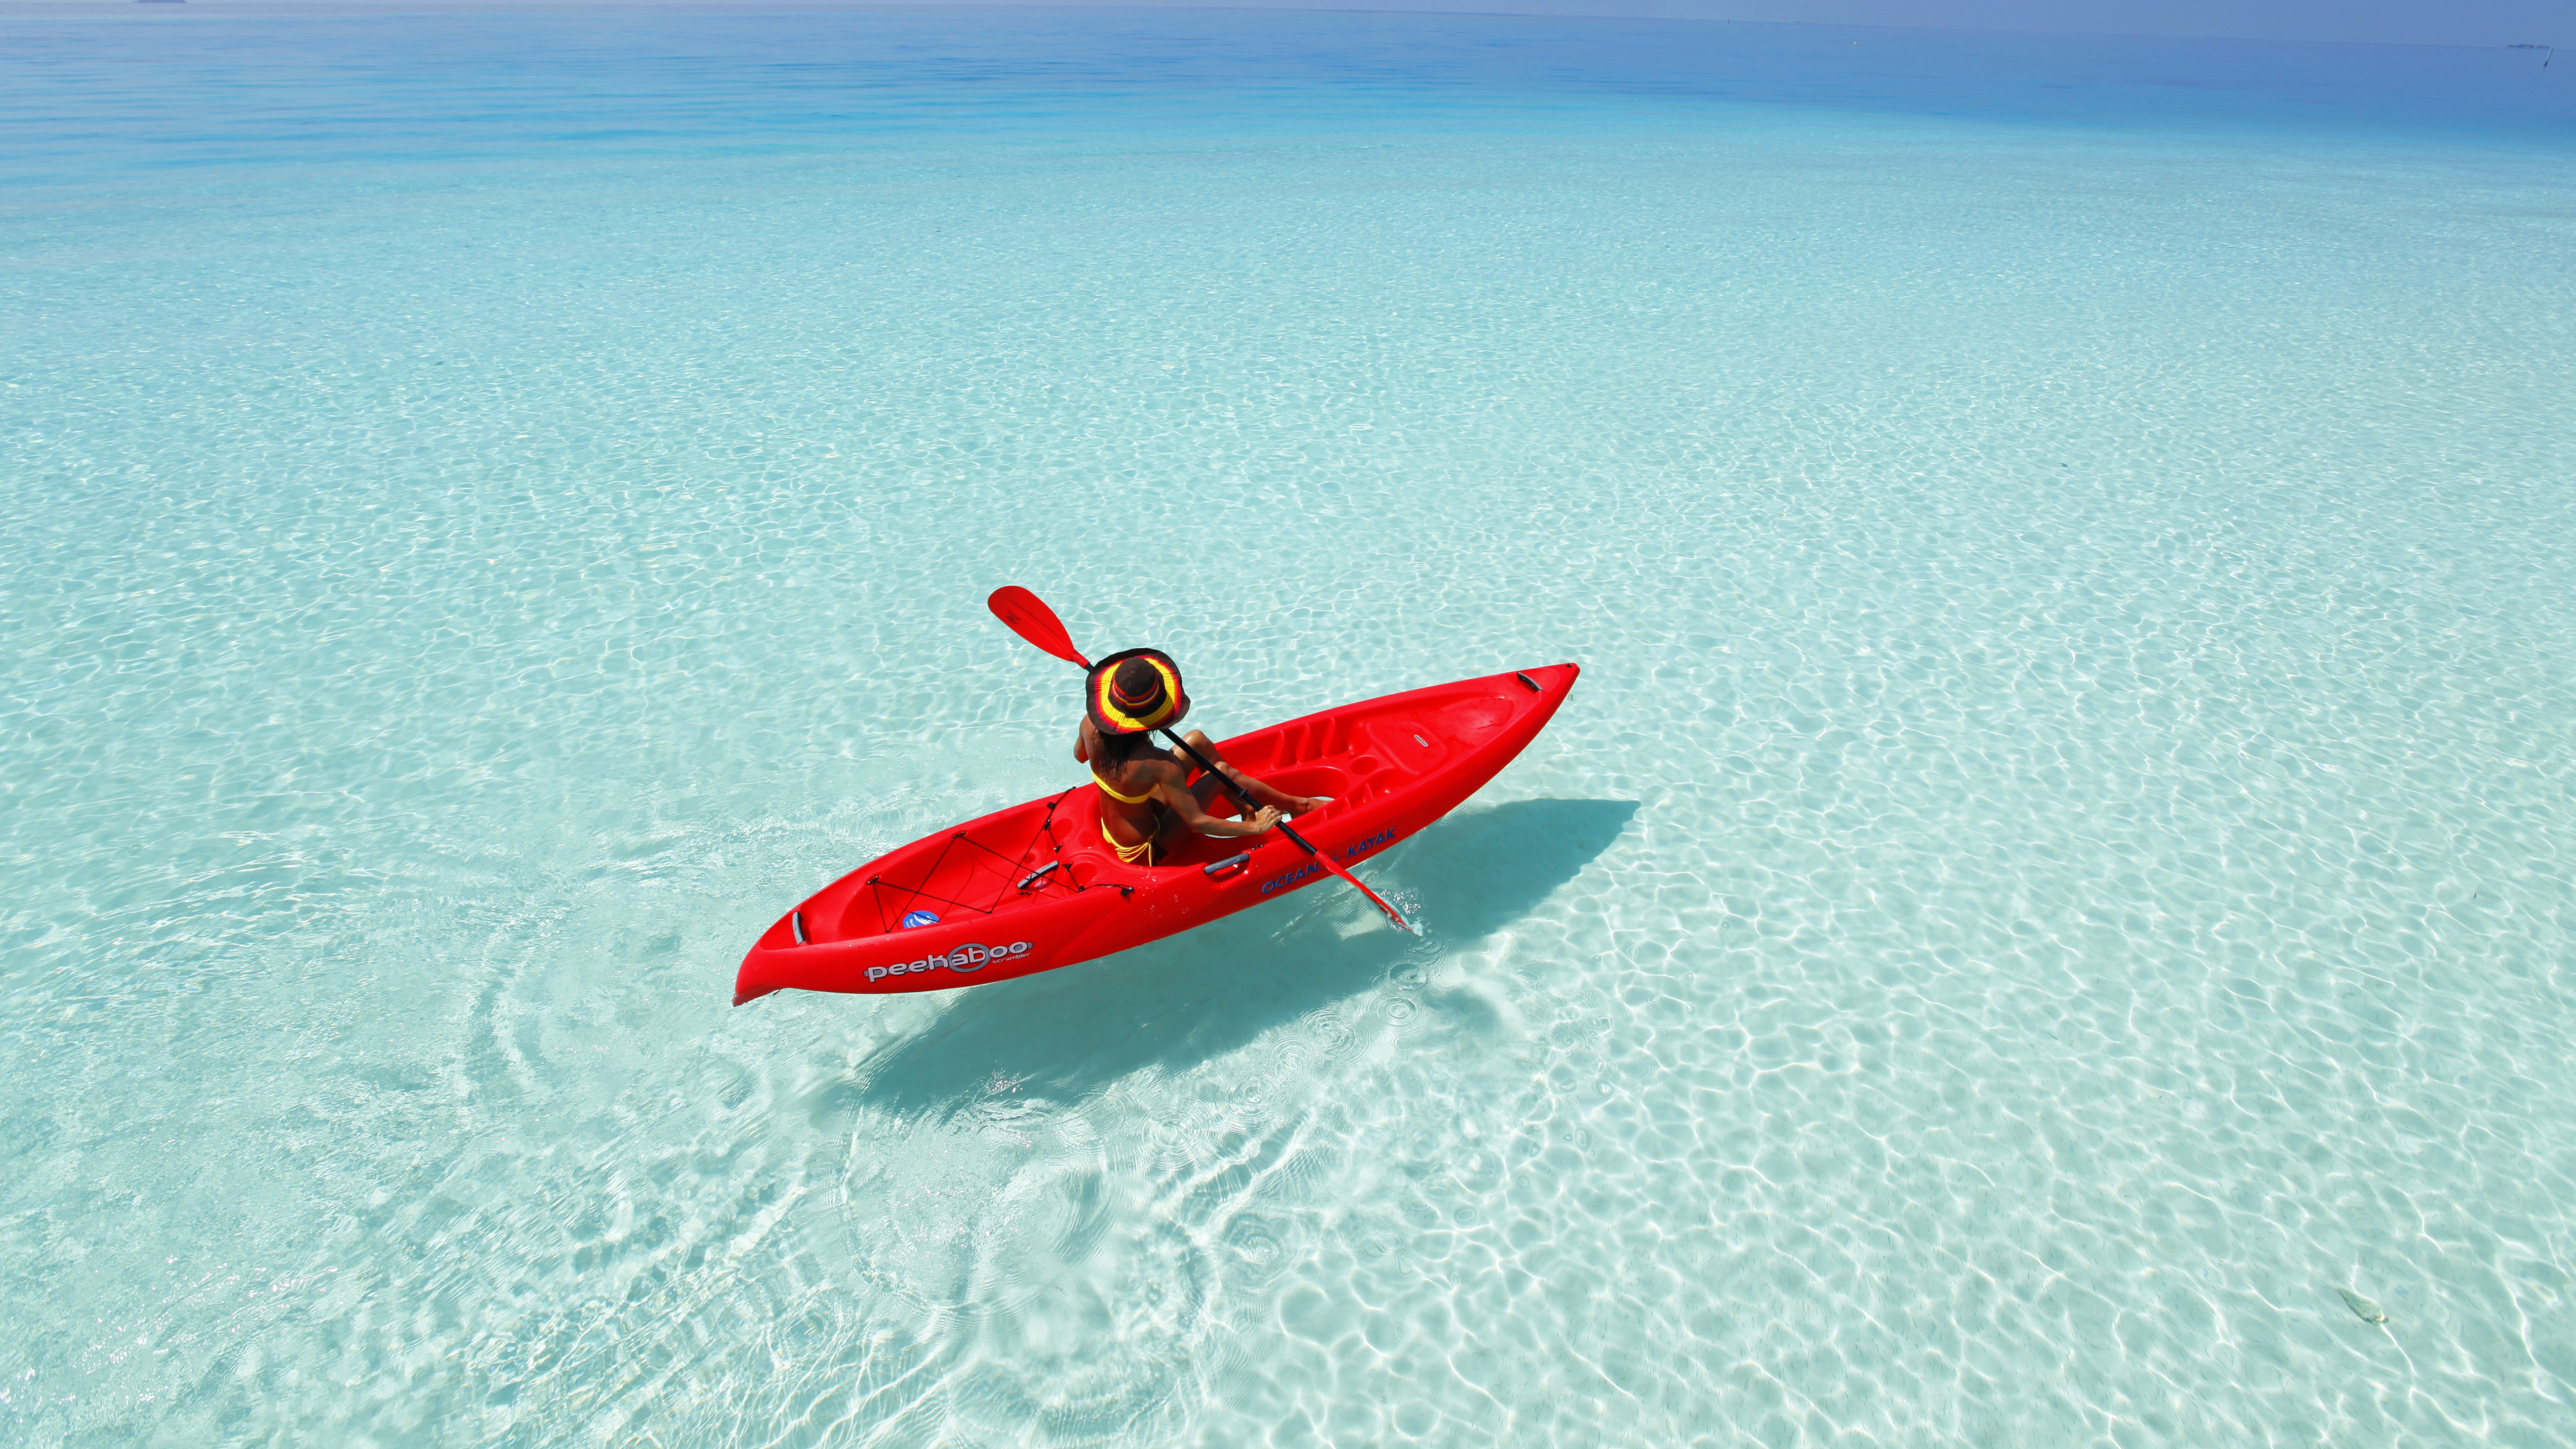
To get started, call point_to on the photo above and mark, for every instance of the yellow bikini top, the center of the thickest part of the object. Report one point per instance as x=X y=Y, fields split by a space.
x=1121 y=799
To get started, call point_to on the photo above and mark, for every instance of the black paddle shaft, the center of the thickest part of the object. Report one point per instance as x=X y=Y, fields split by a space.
x=1241 y=796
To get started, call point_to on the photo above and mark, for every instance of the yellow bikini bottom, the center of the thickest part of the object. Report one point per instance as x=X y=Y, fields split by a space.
x=1141 y=853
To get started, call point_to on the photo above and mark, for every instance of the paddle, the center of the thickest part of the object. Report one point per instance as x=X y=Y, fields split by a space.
x=1028 y=616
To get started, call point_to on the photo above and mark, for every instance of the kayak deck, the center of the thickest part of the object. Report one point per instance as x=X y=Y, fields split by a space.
x=1035 y=886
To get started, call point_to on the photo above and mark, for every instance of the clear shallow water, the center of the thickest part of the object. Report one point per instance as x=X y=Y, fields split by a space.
x=2056 y=872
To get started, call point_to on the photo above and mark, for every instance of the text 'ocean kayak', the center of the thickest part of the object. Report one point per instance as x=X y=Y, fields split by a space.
x=1035 y=887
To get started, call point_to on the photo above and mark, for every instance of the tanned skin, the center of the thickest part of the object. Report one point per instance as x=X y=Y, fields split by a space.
x=1176 y=806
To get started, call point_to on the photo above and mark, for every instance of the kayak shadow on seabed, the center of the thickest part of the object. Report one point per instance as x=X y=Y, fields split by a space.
x=1178 y=1002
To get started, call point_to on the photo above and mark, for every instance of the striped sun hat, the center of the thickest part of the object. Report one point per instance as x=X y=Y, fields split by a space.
x=1123 y=700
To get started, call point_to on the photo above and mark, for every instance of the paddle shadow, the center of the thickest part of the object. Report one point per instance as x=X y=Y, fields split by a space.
x=1068 y=1033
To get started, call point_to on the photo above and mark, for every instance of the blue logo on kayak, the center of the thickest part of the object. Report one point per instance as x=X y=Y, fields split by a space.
x=964 y=960
x=1283 y=882
x=1347 y=852
x=1354 y=852
x=914 y=919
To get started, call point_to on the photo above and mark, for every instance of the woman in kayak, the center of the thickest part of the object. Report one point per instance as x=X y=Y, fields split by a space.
x=1146 y=798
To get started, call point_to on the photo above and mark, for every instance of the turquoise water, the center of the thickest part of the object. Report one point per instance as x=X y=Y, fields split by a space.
x=2048 y=913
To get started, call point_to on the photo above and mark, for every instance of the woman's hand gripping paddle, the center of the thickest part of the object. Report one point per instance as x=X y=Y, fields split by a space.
x=1030 y=618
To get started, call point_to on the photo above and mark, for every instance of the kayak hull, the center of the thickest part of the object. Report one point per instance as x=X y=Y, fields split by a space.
x=1035 y=887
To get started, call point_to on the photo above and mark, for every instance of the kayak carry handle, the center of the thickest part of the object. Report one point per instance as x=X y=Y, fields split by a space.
x=1039 y=874
x=1525 y=679
x=1218 y=870
x=796 y=925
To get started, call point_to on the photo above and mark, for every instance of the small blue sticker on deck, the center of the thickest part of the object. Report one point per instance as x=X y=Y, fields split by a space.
x=919 y=918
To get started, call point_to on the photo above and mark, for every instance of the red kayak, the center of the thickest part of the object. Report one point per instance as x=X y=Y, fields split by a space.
x=1035 y=887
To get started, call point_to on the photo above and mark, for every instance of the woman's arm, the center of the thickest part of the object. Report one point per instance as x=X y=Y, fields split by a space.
x=1171 y=791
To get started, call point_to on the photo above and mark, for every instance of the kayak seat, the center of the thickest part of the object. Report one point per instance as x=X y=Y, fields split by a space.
x=1080 y=825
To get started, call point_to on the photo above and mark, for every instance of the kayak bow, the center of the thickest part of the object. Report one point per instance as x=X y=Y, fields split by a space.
x=1035 y=887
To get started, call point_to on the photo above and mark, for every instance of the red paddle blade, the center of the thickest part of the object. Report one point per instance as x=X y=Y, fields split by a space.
x=1374 y=898
x=1030 y=618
